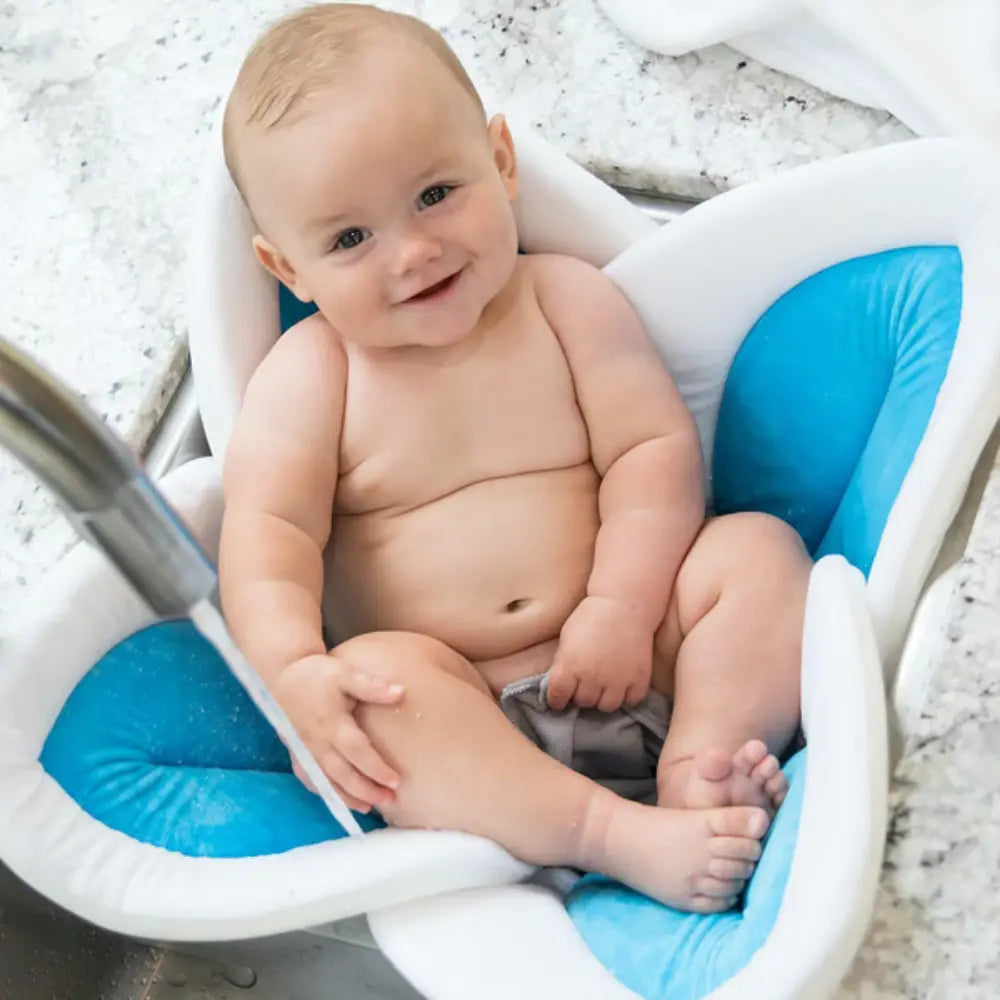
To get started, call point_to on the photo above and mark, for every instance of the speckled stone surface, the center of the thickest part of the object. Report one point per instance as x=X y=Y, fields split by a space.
x=936 y=928
x=104 y=112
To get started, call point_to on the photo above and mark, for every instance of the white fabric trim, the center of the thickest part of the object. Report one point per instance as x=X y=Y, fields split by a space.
x=232 y=302
x=563 y=209
x=133 y=888
x=510 y=941
x=967 y=407
x=835 y=867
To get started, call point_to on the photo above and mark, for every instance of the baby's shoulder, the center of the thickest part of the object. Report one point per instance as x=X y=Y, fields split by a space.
x=312 y=341
x=546 y=268
x=569 y=291
x=558 y=279
x=308 y=352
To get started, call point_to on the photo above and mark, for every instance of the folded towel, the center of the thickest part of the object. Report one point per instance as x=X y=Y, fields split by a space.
x=934 y=64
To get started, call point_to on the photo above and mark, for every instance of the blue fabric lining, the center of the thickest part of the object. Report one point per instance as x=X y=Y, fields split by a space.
x=823 y=409
x=830 y=394
x=160 y=741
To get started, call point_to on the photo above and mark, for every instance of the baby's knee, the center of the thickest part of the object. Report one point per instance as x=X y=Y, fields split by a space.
x=406 y=658
x=761 y=546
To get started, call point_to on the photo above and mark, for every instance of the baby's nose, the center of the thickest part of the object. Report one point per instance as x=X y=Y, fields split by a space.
x=414 y=252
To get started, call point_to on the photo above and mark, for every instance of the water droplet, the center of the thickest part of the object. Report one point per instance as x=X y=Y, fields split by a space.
x=239 y=975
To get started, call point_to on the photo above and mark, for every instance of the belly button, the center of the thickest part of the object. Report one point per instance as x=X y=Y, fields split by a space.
x=518 y=605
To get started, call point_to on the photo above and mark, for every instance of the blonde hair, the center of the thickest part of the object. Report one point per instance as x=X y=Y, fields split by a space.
x=306 y=52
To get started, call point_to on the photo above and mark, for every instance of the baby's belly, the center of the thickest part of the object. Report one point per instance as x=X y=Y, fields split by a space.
x=490 y=570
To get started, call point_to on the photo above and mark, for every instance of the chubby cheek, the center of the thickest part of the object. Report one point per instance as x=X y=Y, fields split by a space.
x=346 y=302
x=496 y=237
x=503 y=227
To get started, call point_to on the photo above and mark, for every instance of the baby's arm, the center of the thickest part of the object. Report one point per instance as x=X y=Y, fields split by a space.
x=279 y=482
x=645 y=446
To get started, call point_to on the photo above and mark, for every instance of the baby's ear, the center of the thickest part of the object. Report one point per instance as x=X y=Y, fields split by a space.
x=277 y=263
x=503 y=153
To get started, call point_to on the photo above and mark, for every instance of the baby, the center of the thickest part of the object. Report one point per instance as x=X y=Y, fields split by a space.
x=473 y=467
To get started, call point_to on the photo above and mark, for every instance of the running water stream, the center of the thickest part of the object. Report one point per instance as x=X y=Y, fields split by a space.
x=210 y=624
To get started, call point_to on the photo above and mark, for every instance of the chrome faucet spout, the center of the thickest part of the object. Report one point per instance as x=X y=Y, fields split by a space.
x=101 y=487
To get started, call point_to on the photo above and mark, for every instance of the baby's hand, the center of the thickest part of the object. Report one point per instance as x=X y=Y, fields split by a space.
x=319 y=693
x=605 y=657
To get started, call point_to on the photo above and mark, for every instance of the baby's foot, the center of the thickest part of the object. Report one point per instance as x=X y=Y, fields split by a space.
x=691 y=859
x=749 y=777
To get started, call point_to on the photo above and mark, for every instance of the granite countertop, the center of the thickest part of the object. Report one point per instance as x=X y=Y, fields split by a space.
x=936 y=929
x=105 y=110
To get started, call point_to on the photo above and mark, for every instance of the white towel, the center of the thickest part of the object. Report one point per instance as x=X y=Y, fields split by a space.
x=934 y=64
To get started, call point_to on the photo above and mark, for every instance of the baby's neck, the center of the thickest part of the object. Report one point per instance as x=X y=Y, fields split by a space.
x=506 y=299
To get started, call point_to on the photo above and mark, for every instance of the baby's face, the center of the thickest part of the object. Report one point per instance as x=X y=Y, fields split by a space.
x=388 y=204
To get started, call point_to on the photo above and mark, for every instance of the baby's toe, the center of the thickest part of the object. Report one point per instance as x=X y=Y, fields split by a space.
x=735 y=848
x=749 y=757
x=766 y=769
x=713 y=765
x=719 y=888
x=776 y=787
x=730 y=868
x=710 y=904
x=738 y=821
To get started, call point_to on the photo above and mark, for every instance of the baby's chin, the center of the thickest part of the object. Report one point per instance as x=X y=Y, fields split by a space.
x=431 y=335
x=437 y=335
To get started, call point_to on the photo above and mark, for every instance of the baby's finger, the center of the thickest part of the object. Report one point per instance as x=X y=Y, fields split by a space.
x=299 y=773
x=352 y=803
x=355 y=805
x=370 y=687
x=611 y=699
x=357 y=749
x=355 y=784
x=562 y=688
x=636 y=692
x=588 y=693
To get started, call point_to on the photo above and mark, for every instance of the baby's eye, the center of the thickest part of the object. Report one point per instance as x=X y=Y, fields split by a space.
x=349 y=238
x=434 y=194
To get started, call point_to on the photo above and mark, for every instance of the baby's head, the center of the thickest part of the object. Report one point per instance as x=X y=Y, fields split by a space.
x=378 y=188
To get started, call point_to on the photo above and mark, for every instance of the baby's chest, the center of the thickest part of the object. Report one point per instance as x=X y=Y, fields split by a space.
x=416 y=433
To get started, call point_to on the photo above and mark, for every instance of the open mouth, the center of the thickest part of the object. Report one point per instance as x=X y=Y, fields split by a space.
x=438 y=290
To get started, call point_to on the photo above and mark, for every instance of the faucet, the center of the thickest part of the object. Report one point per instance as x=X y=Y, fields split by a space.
x=112 y=504
x=102 y=489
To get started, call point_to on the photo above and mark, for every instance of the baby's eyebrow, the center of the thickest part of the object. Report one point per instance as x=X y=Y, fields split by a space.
x=438 y=166
x=326 y=222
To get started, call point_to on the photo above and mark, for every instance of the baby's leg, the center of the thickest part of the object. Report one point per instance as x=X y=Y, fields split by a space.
x=465 y=767
x=733 y=634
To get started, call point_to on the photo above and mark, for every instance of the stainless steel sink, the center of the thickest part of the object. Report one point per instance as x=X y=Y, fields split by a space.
x=48 y=954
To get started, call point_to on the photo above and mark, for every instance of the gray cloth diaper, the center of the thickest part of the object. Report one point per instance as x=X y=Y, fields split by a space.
x=617 y=749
